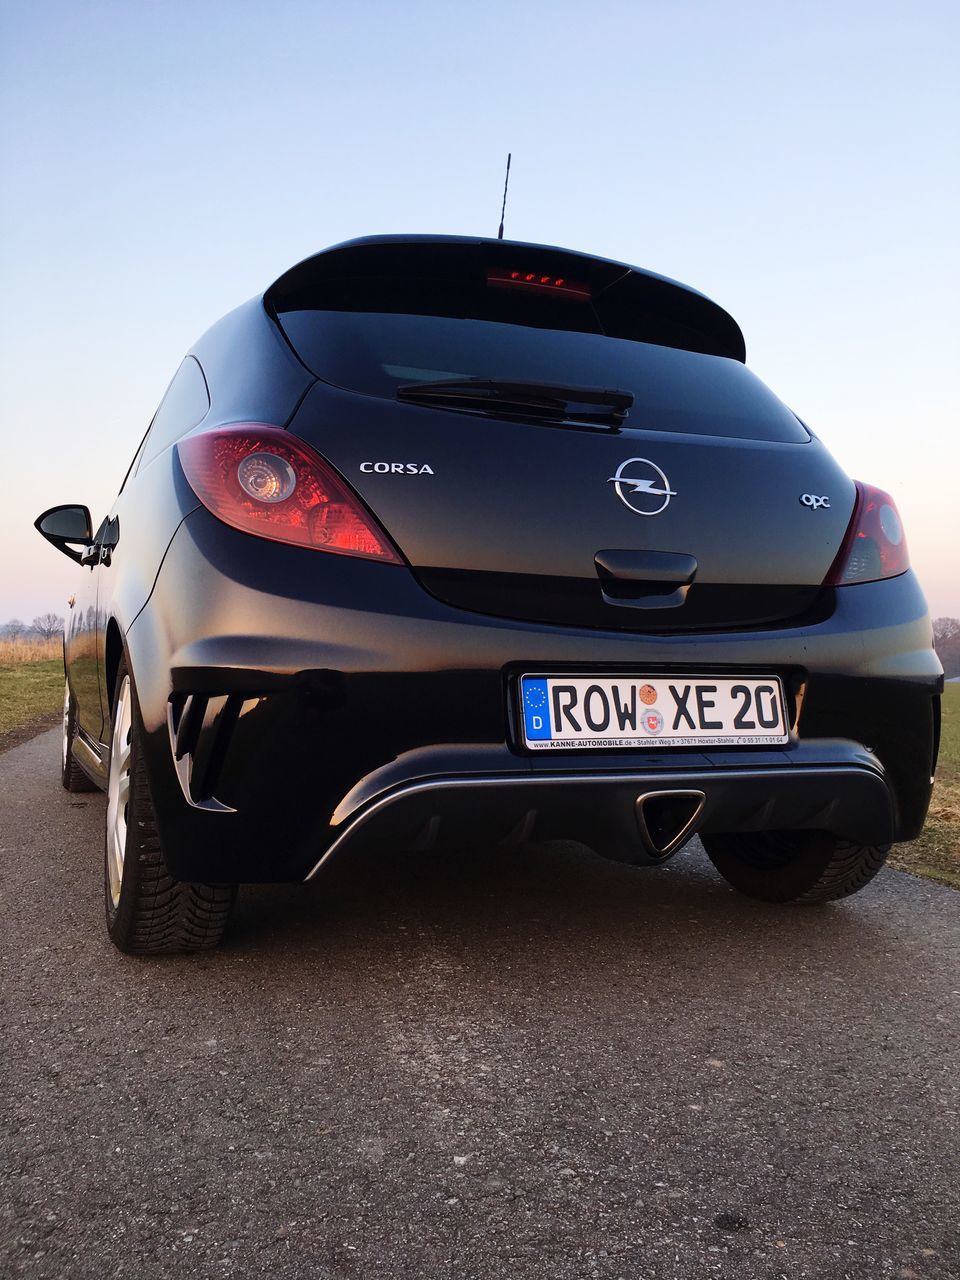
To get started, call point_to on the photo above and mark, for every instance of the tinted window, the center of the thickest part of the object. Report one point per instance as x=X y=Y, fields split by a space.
x=184 y=405
x=374 y=352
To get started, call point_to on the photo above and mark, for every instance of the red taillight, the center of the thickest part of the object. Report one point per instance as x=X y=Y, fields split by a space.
x=538 y=282
x=265 y=481
x=874 y=546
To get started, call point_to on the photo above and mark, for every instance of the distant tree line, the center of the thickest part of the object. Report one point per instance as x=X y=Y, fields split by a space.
x=44 y=627
x=946 y=641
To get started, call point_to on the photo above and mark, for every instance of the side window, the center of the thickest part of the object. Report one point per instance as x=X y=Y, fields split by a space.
x=184 y=405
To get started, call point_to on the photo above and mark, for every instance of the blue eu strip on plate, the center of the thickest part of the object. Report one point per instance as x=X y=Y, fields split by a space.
x=536 y=712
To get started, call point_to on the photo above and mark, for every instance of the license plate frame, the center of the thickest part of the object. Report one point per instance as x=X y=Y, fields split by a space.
x=647 y=708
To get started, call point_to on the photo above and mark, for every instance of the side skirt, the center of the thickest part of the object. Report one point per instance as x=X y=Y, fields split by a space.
x=92 y=758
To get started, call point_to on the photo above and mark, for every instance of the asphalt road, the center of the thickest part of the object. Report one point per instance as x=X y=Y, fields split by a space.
x=528 y=1066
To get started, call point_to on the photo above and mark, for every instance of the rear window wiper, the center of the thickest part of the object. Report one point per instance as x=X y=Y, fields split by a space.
x=538 y=401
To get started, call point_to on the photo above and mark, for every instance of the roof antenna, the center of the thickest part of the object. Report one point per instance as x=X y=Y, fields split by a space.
x=503 y=208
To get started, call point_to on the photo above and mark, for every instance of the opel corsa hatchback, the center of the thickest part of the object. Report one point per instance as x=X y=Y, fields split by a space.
x=445 y=541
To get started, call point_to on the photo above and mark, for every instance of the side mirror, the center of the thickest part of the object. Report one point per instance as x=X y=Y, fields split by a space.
x=63 y=525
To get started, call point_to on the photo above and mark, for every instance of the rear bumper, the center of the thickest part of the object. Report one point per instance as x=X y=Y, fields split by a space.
x=416 y=804
x=319 y=703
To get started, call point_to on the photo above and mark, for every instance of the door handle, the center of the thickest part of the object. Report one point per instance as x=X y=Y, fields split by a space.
x=111 y=536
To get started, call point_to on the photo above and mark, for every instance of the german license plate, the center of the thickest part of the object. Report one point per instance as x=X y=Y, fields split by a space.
x=651 y=711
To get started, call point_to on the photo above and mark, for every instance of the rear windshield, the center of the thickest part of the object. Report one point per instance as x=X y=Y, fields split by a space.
x=680 y=391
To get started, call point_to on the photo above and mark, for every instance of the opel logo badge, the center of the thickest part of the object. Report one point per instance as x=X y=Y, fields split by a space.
x=642 y=486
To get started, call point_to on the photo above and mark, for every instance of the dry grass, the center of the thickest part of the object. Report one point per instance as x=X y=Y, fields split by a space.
x=950 y=730
x=936 y=854
x=13 y=652
x=31 y=694
x=31 y=686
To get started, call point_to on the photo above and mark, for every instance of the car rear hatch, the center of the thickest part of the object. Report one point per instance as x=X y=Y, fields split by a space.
x=553 y=437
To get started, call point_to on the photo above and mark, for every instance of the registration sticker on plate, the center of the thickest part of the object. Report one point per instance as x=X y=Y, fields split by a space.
x=651 y=711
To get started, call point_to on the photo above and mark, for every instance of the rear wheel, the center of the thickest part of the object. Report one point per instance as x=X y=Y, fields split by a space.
x=148 y=912
x=71 y=775
x=794 y=866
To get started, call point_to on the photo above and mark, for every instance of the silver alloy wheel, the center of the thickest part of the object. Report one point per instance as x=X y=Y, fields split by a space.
x=65 y=745
x=118 y=789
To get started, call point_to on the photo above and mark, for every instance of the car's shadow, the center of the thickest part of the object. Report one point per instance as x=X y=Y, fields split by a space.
x=509 y=899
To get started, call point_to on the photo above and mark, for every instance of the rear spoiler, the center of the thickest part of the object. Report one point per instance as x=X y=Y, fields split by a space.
x=623 y=301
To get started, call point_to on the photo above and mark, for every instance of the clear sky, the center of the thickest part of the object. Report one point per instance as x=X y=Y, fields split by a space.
x=162 y=162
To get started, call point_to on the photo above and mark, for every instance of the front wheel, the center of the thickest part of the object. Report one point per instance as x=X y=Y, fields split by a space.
x=794 y=866
x=148 y=912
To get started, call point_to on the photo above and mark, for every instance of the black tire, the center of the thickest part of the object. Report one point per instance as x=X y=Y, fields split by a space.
x=150 y=913
x=803 y=867
x=71 y=775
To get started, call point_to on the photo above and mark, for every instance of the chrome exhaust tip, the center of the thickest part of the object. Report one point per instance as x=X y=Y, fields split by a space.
x=667 y=820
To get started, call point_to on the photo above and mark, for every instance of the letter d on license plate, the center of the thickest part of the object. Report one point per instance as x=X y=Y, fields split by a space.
x=651 y=711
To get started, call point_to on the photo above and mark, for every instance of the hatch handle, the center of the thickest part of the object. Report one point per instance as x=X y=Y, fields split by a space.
x=645 y=579
x=647 y=566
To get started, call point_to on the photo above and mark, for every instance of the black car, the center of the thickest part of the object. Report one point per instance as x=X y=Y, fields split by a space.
x=444 y=541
